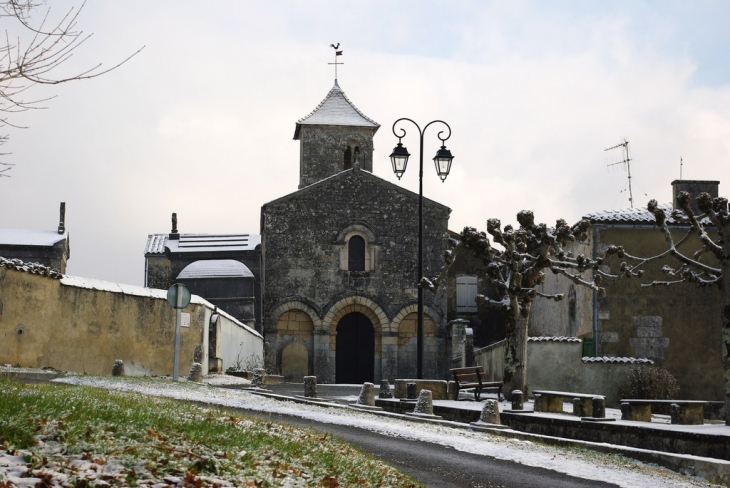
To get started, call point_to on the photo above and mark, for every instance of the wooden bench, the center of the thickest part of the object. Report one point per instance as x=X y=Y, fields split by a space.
x=684 y=412
x=474 y=377
x=552 y=401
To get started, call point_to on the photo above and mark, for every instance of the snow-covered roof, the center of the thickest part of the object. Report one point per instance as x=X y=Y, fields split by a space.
x=634 y=216
x=215 y=268
x=607 y=359
x=156 y=243
x=554 y=339
x=22 y=237
x=336 y=109
x=32 y=268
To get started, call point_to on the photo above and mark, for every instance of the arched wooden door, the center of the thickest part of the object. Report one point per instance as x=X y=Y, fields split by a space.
x=355 y=353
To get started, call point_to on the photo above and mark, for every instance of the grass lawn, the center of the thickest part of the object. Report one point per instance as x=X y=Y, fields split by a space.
x=90 y=437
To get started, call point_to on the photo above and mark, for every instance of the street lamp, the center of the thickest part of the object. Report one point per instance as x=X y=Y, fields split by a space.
x=442 y=160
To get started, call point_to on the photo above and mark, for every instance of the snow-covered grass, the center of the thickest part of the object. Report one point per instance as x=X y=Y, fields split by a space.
x=583 y=463
x=52 y=435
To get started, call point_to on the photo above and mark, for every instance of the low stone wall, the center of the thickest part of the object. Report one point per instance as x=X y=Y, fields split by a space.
x=84 y=325
x=555 y=363
x=437 y=387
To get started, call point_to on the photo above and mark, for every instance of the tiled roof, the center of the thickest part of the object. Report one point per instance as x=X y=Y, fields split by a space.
x=33 y=268
x=156 y=243
x=336 y=109
x=215 y=268
x=606 y=359
x=629 y=215
x=554 y=339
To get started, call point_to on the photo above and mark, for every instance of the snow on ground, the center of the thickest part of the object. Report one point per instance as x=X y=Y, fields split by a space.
x=586 y=465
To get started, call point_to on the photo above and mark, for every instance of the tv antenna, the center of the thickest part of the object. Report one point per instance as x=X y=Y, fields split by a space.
x=627 y=162
x=680 y=167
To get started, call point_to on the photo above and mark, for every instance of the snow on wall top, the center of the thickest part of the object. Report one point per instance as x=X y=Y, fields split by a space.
x=628 y=215
x=336 y=109
x=606 y=359
x=22 y=237
x=554 y=339
x=33 y=268
x=215 y=268
x=156 y=243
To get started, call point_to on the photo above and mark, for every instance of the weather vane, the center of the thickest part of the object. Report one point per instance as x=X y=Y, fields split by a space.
x=337 y=53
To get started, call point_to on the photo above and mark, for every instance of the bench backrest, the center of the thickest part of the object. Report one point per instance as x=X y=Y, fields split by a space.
x=471 y=373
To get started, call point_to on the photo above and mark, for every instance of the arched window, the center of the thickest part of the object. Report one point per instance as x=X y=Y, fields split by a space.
x=356 y=254
x=348 y=158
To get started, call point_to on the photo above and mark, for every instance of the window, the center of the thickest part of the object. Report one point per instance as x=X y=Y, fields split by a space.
x=356 y=254
x=348 y=158
x=466 y=292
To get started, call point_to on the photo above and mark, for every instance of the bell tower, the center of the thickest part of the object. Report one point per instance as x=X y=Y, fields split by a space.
x=333 y=138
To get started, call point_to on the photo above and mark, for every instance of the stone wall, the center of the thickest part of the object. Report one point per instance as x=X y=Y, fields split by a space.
x=83 y=325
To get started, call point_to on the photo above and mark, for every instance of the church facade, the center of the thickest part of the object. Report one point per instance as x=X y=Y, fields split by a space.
x=339 y=259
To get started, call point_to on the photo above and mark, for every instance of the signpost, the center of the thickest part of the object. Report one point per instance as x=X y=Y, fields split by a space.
x=178 y=297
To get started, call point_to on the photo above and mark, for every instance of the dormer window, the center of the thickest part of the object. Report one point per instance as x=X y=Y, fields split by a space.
x=356 y=254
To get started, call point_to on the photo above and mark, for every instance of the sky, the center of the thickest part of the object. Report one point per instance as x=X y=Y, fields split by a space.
x=201 y=121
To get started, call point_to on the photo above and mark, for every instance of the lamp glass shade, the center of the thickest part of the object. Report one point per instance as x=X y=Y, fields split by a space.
x=399 y=159
x=443 y=162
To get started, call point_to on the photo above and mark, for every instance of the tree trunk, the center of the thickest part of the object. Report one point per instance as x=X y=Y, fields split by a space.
x=515 y=350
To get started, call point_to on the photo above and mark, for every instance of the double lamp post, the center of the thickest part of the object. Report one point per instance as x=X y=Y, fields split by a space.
x=442 y=160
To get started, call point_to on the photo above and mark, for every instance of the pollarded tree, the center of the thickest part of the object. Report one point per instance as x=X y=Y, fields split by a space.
x=692 y=269
x=516 y=271
x=35 y=47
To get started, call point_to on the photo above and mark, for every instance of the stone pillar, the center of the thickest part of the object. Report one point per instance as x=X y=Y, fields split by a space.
x=469 y=347
x=367 y=395
x=518 y=400
x=310 y=386
x=599 y=407
x=389 y=355
x=118 y=368
x=411 y=391
x=625 y=411
x=578 y=409
x=321 y=358
x=455 y=330
x=451 y=393
x=196 y=373
x=385 y=389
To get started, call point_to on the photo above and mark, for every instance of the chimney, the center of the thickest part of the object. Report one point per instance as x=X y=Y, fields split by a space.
x=62 y=221
x=174 y=234
x=694 y=188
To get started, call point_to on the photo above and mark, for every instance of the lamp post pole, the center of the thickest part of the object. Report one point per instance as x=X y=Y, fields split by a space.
x=399 y=159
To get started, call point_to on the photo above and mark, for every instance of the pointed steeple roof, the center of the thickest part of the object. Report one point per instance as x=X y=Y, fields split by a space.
x=335 y=109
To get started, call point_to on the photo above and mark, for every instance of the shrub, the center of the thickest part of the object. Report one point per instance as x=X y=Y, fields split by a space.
x=649 y=383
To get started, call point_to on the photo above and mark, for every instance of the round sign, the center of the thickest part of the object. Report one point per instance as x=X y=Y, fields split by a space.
x=172 y=296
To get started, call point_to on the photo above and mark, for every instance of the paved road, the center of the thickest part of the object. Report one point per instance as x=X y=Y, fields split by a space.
x=431 y=464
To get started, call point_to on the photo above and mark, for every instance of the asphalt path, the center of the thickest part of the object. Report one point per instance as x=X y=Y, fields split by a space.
x=439 y=466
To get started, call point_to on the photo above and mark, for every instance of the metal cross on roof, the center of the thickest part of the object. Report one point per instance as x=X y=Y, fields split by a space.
x=337 y=53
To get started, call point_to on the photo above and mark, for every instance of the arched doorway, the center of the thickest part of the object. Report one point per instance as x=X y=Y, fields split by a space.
x=355 y=349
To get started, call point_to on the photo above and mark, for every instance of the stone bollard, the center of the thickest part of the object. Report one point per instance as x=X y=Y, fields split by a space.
x=518 y=400
x=599 y=407
x=451 y=393
x=625 y=411
x=367 y=395
x=385 y=390
x=578 y=408
x=196 y=373
x=411 y=391
x=118 y=368
x=424 y=406
x=366 y=400
x=258 y=380
x=310 y=387
x=490 y=412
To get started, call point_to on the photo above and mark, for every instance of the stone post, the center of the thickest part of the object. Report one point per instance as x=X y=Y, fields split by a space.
x=599 y=407
x=385 y=389
x=518 y=400
x=578 y=409
x=367 y=395
x=258 y=380
x=411 y=391
x=196 y=373
x=469 y=347
x=310 y=386
x=490 y=412
x=118 y=368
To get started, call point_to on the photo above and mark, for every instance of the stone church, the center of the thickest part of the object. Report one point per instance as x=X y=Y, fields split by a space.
x=335 y=282
x=339 y=261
